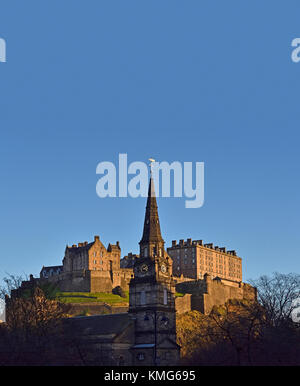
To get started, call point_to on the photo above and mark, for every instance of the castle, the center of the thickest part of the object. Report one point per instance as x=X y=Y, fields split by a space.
x=145 y=334
x=89 y=267
x=207 y=275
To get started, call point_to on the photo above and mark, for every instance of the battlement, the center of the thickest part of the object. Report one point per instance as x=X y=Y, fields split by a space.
x=85 y=243
x=190 y=243
x=113 y=247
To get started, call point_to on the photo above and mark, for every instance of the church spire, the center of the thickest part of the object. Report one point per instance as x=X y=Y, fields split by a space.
x=151 y=233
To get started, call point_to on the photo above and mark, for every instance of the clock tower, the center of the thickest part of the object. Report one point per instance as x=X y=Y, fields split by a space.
x=152 y=295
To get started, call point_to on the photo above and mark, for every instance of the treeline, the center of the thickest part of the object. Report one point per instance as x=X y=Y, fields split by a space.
x=262 y=333
x=240 y=332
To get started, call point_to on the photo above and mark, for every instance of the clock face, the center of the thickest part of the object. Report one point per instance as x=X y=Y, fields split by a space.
x=144 y=268
x=163 y=268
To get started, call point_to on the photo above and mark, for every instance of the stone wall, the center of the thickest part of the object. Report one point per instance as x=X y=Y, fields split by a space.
x=90 y=281
x=183 y=303
x=93 y=308
x=191 y=287
x=206 y=293
x=218 y=293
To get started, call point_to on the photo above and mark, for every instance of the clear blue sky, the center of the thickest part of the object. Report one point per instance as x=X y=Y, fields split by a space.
x=209 y=81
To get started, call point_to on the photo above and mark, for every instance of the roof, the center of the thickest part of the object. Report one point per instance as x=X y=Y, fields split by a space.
x=151 y=225
x=77 y=249
x=110 y=324
x=52 y=267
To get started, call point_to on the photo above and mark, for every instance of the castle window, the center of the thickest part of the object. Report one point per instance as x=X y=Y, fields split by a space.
x=143 y=298
x=165 y=297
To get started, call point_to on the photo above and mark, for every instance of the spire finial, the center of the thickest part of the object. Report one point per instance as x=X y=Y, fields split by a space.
x=152 y=160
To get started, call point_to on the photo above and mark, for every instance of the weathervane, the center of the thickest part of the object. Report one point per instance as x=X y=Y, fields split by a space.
x=151 y=163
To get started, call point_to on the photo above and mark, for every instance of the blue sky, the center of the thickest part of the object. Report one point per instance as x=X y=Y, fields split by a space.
x=208 y=81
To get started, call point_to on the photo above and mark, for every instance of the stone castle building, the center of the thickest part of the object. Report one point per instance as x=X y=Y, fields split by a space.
x=193 y=259
x=128 y=260
x=89 y=267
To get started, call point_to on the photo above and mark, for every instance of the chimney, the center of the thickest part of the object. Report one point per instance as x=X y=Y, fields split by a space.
x=173 y=243
x=189 y=241
x=96 y=238
x=181 y=242
x=118 y=244
x=232 y=252
x=80 y=244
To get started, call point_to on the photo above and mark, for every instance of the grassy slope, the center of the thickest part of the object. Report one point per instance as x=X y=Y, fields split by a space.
x=87 y=297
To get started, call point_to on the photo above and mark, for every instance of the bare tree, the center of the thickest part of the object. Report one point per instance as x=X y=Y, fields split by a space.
x=227 y=336
x=239 y=322
x=34 y=326
x=11 y=282
x=278 y=295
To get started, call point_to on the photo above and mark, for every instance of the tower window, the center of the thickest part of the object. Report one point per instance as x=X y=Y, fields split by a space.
x=165 y=296
x=143 y=298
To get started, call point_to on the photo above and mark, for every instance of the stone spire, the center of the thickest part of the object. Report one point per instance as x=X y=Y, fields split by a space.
x=151 y=233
